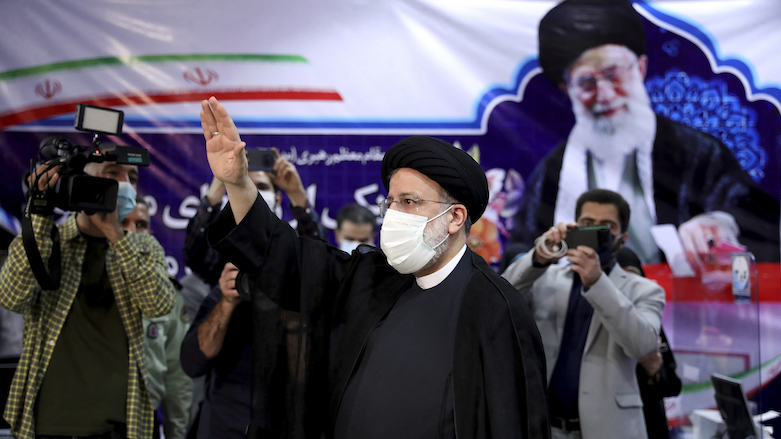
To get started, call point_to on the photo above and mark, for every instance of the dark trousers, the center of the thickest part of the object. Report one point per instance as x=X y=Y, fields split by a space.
x=119 y=432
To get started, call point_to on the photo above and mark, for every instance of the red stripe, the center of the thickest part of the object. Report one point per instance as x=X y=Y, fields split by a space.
x=32 y=114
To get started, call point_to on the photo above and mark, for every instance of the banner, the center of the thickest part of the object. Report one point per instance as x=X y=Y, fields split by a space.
x=332 y=85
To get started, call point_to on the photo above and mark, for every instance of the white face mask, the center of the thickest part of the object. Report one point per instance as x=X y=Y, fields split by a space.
x=270 y=198
x=348 y=246
x=401 y=239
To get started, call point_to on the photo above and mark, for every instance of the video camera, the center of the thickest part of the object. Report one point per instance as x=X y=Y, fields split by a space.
x=75 y=190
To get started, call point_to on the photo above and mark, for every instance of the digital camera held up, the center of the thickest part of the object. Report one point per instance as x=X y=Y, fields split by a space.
x=75 y=190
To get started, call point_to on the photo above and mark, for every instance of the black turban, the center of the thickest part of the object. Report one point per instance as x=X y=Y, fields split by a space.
x=574 y=26
x=453 y=169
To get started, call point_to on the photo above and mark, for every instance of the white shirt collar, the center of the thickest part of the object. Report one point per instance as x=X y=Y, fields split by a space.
x=436 y=278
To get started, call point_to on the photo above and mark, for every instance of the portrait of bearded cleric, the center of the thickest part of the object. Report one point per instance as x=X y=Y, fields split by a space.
x=594 y=51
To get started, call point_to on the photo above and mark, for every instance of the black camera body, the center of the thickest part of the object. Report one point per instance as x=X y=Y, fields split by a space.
x=596 y=237
x=76 y=191
x=261 y=159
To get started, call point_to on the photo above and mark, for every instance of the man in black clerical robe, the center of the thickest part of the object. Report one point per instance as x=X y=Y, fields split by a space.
x=446 y=349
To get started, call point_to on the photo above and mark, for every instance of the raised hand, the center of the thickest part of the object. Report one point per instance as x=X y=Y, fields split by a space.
x=224 y=147
x=227 y=157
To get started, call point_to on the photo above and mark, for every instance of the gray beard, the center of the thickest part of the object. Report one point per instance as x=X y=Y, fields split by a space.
x=609 y=136
x=434 y=233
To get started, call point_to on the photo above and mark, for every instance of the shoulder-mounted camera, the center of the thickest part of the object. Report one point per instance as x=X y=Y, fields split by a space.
x=75 y=190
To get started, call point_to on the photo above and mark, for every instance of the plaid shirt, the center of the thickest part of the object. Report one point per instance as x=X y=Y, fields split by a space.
x=137 y=272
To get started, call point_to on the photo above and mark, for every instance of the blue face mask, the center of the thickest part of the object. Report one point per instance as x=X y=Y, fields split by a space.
x=126 y=199
x=348 y=246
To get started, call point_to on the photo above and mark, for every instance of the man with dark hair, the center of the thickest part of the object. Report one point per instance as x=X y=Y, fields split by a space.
x=594 y=50
x=421 y=339
x=595 y=320
x=599 y=196
x=137 y=221
x=83 y=369
x=355 y=225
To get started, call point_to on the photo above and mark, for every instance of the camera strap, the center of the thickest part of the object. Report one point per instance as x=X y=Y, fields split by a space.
x=48 y=280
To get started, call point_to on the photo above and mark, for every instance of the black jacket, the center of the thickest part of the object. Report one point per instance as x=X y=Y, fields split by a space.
x=693 y=173
x=653 y=390
x=333 y=300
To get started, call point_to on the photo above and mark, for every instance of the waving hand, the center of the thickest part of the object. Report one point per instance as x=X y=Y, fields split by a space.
x=224 y=147
x=227 y=160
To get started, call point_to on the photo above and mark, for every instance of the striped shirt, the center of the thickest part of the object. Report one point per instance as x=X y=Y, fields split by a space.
x=137 y=272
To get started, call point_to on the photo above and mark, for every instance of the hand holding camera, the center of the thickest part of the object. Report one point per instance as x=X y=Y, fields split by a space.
x=579 y=244
x=44 y=177
x=548 y=247
x=288 y=180
x=108 y=223
x=585 y=262
x=280 y=171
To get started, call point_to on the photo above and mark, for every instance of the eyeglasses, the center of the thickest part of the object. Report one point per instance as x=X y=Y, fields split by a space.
x=406 y=204
x=587 y=83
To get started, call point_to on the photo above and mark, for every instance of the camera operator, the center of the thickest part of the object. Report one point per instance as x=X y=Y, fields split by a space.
x=82 y=369
x=596 y=321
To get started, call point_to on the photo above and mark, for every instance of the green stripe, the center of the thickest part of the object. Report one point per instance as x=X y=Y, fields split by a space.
x=696 y=387
x=148 y=59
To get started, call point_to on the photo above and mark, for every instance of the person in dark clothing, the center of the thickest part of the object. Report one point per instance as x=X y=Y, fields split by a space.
x=207 y=263
x=355 y=225
x=421 y=339
x=656 y=371
x=219 y=342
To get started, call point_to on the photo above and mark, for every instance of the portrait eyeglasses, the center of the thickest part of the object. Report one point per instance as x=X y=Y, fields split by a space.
x=613 y=75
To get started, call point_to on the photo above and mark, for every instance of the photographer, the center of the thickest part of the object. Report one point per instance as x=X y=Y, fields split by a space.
x=595 y=319
x=82 y=369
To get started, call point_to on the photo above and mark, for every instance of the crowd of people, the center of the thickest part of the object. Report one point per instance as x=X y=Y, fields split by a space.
x=179 y=351
x=279 y=333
